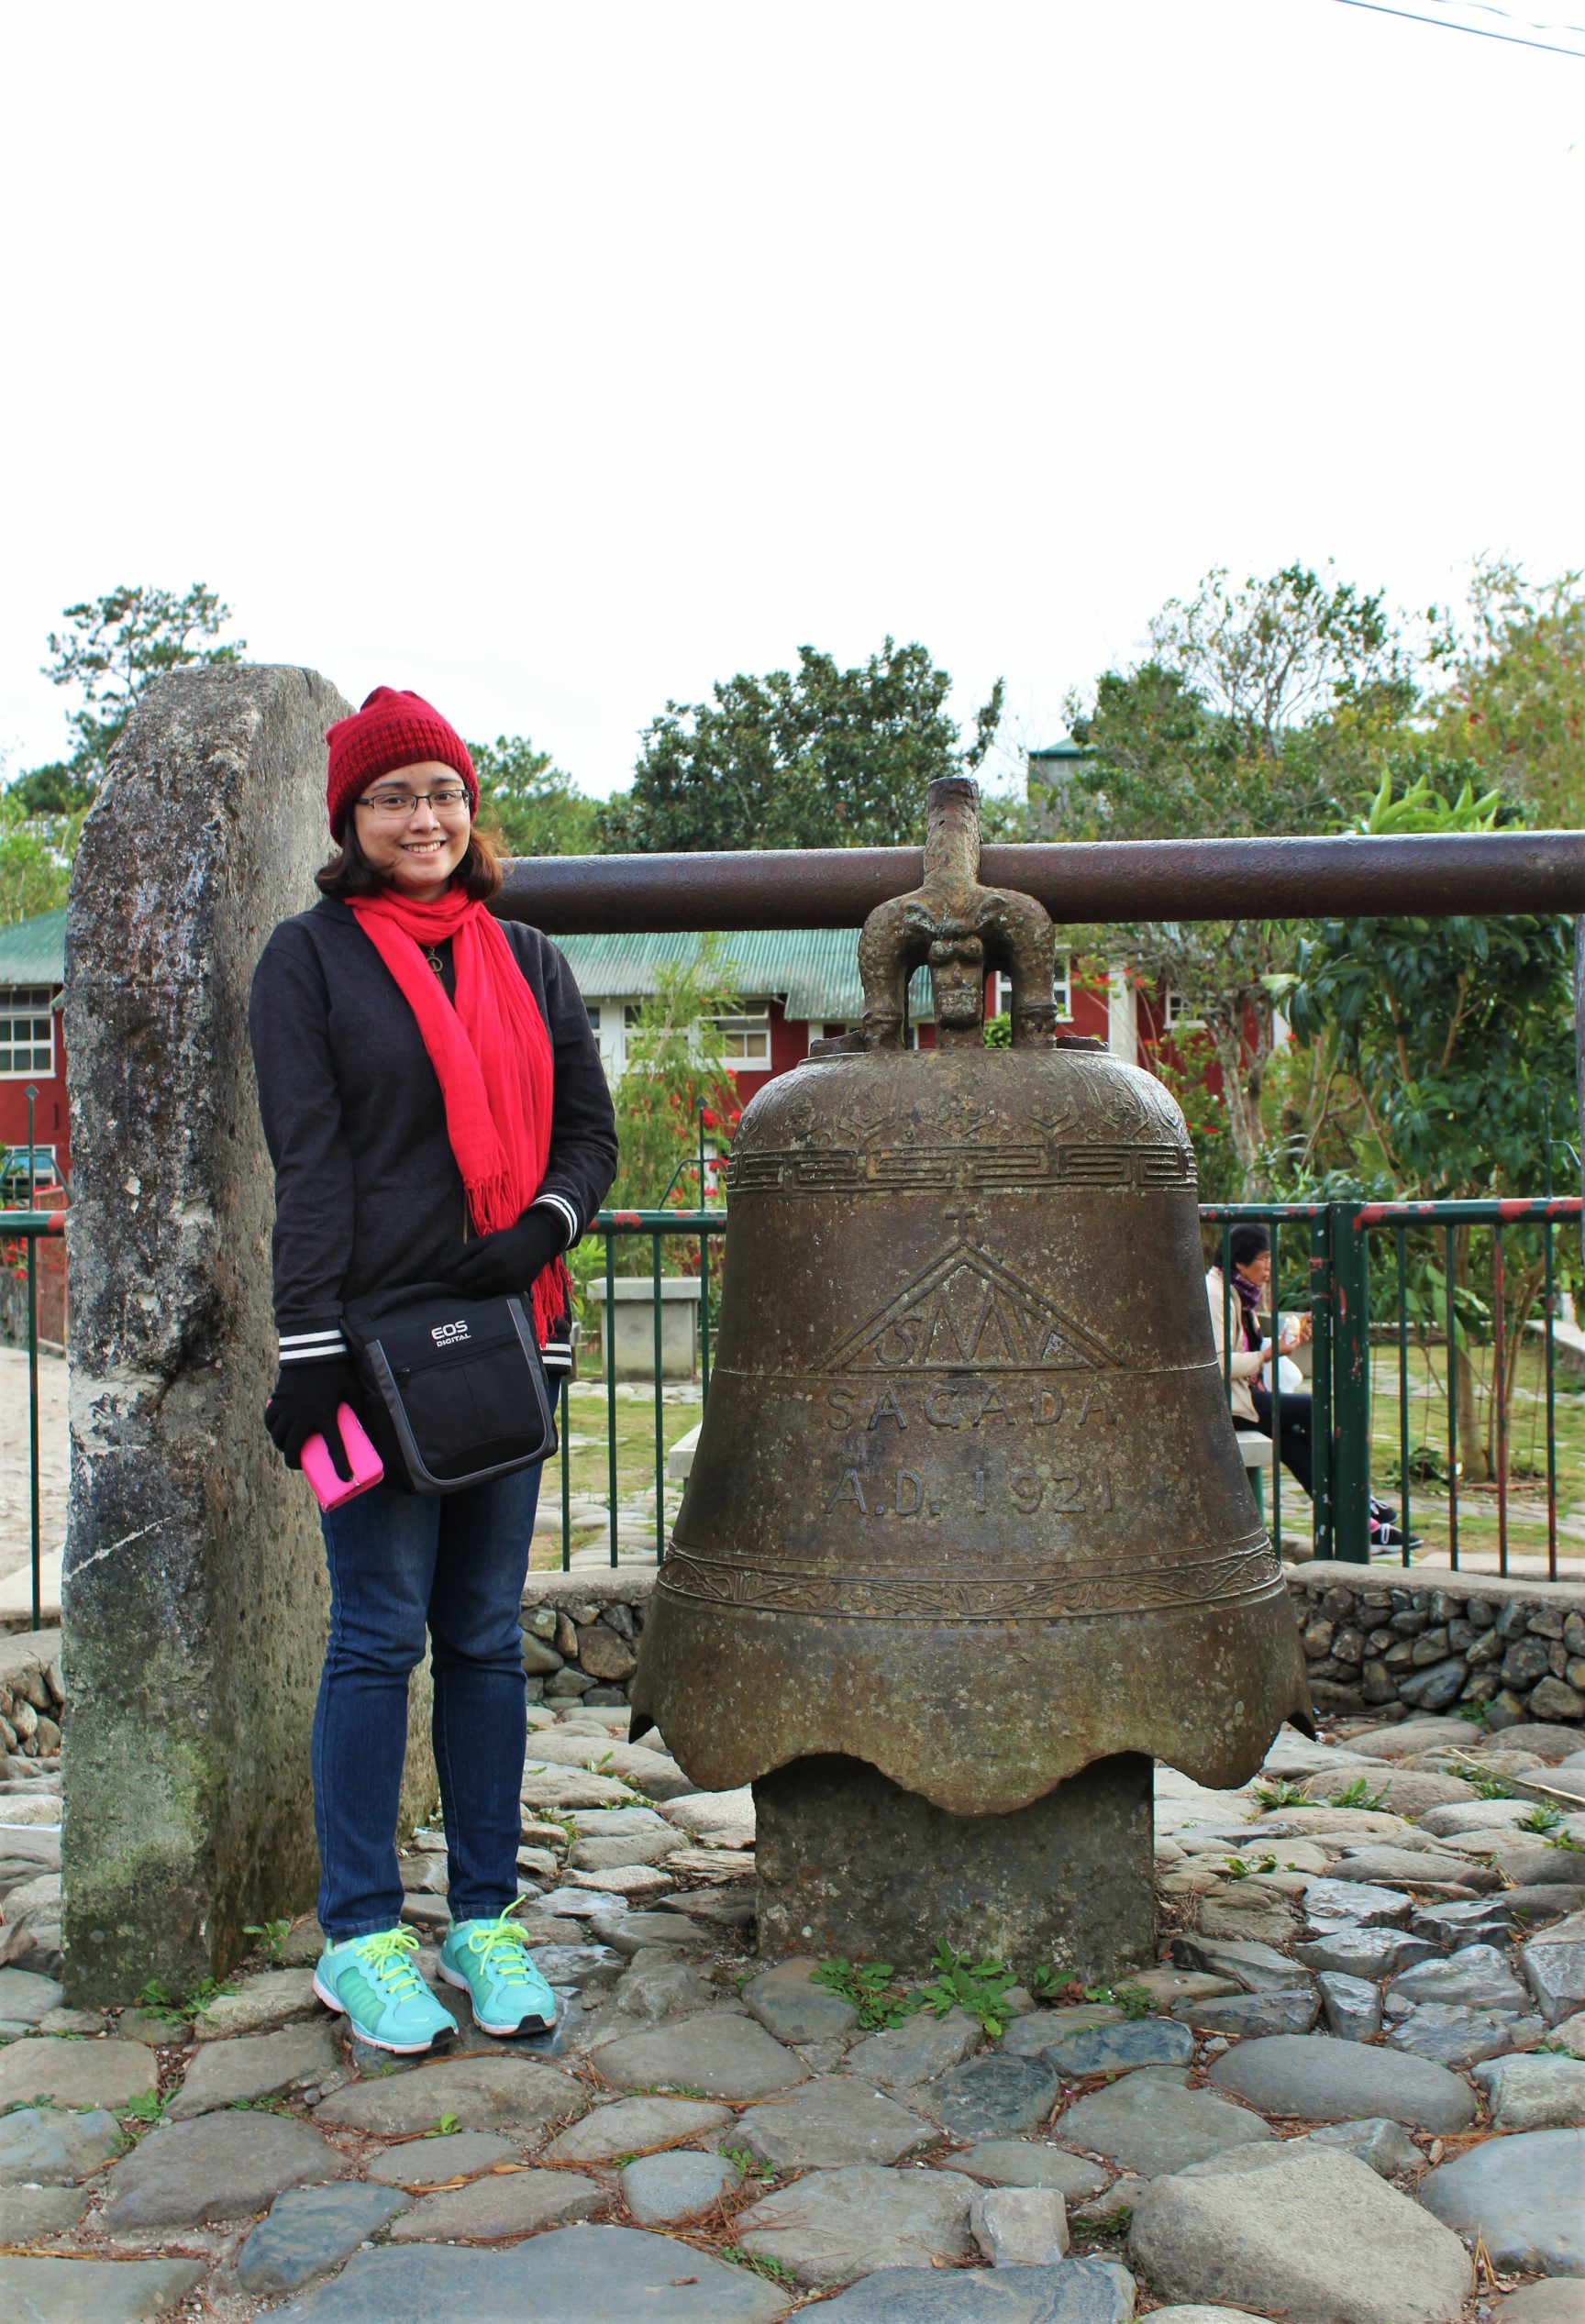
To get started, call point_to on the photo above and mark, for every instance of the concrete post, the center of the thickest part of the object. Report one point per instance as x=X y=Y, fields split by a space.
x=195 y=1598
x=1122 y=1014
x=1579 y=1041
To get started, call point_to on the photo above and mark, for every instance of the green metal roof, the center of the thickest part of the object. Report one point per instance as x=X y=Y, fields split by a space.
x=813 y=972
x=34 y=951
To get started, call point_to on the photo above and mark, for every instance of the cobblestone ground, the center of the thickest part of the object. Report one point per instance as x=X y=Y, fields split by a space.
x=1350 y=2090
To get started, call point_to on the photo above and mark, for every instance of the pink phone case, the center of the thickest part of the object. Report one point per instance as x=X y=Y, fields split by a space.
x=368 y=1468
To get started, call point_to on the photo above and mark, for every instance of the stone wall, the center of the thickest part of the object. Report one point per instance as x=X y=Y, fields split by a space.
x=194 y=1597
x=32 y=1692
x=581 y=1632
x=1378 y=1638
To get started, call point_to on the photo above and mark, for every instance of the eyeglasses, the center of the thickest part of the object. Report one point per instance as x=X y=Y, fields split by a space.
x=445 y=799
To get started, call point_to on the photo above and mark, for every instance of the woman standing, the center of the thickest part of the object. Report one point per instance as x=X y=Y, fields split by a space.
x=435 y=1111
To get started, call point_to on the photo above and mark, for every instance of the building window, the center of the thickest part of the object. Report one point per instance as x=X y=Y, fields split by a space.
x=27 y=1030
x=1001 y=1001
x=591 y=1010
x=1175 y=1016
x=746 y=1039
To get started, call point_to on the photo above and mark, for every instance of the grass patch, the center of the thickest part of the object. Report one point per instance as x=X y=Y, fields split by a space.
x=773 y=2271
x=867 y=1985
x=979 y=1988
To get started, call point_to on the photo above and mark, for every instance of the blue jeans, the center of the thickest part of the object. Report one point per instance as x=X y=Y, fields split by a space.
x=454 y=1564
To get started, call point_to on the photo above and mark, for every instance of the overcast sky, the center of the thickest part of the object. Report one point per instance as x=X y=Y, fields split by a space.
x=554 y=361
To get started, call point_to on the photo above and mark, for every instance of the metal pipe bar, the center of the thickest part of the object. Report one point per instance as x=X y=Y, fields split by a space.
x=654 y=1222
x=1403 y=1452
x=1078 y=881
x=1477 y=1212
x=1551 y=1408
x=611 y=1386
x=1499 y=1388
x=566 y=1485
x=1276 y=1393
x=657 y=1320
x=1452 y=1410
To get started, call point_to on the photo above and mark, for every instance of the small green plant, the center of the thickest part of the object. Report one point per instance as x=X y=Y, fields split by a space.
x=977 y=1987
x=748 y=2163
x=1047 y=1985
x=1474 y=1712
x=773 y=2271
x=146 y=2106
x=152 y=1996
x=1134 y=2000
x=1485 y=1785
x=1114 y=2226
x=271 y=1936
x=867 y=1984
x=1280 y=1793
x=442 y=2127
x=1358 y=1794
x=1543 y=1817
x=1239 y=1868
x=1564 y=1840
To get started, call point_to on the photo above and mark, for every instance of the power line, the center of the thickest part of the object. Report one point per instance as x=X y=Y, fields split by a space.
x=1480 y=31
x=1489 y=8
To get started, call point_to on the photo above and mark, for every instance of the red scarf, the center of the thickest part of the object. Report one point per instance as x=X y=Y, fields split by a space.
x=491 y=1056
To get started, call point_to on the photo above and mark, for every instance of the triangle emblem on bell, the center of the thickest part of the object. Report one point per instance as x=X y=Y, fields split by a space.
x=966 y=1311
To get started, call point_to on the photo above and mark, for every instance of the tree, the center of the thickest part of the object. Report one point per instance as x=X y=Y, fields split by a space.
x=816 y=757
x=677 y=1063
x=1261 y=709
x=1265 y=709
x=35 y=852
x=533 y=805
x=109 y=650
x=1439 y=1045
x=1515 y=699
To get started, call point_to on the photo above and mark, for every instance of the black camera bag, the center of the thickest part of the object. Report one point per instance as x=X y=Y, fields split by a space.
x=457 y=1385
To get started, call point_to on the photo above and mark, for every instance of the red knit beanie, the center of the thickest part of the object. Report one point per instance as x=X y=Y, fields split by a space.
x=393 y=730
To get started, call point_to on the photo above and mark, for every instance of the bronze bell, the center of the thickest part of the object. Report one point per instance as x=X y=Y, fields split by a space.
x=967 y=1505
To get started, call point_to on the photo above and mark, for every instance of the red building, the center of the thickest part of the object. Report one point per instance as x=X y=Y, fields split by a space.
x=32 y=977
x=800 y=985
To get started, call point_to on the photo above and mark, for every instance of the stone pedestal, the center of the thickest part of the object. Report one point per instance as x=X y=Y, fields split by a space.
x=680 y=1295
x=848 y=1863
x=194 y=1599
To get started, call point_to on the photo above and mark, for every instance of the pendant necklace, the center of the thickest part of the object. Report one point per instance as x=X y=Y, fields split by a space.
x=435 y=961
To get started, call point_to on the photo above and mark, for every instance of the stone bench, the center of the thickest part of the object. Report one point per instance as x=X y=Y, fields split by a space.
x=679 y=1459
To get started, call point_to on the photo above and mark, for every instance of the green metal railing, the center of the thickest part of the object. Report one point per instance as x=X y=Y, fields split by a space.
x=1338 y=1261
x=27 y=1226
x=659 y=1226
x=1333 y=1264
x=1335 y=1268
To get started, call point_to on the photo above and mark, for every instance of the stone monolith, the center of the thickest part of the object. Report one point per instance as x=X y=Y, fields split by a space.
x=194 y=1597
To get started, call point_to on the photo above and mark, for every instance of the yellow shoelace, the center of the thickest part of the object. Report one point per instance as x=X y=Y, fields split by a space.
x=502 y=1946
x=386 y=1957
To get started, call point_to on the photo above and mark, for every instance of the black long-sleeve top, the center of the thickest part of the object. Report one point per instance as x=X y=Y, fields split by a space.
x=368 y=1194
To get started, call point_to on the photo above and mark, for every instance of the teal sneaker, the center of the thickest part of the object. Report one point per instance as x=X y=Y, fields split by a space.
x=372 y=1982
x=491 y=1960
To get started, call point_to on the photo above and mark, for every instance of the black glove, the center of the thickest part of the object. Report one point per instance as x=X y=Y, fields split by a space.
x=510 y=1260
x=303 y=1403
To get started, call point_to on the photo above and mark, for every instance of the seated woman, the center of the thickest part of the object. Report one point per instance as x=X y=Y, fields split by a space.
x=1249 y=1248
